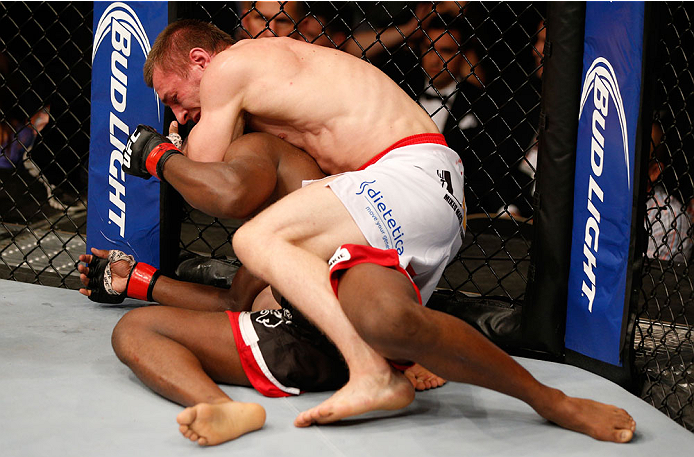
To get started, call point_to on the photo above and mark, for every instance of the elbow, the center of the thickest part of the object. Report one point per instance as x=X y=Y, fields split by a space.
x=233 y=209
x=230 y=203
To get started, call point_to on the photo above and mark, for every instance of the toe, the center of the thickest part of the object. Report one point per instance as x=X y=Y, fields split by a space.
x=186 y=416
x=302 y=420
x=624 y=436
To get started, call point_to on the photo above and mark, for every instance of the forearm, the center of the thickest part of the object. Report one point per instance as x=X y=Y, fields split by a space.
x=188 y=295
x=213 y=188
x=240 y=297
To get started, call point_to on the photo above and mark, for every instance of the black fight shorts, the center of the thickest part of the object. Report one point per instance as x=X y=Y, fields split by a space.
x=283 y=354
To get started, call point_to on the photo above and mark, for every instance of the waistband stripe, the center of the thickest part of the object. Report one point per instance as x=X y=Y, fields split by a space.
x=421 y=138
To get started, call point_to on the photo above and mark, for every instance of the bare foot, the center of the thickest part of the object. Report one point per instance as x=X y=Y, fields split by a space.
x=598 y=420
x=210 y=424
x=366 y=393
x=423 y=379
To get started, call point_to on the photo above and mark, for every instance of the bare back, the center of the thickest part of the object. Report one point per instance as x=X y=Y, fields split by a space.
x=339 y=109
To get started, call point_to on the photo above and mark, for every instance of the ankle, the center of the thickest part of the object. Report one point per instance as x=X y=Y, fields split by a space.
x=549 y=402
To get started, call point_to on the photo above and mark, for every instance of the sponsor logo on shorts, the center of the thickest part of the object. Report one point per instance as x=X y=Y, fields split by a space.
x=271 y=318
x=454 y=206
x=602 y=89
x=117 y=31
x=341 y=255
x=445 y=177
x=382 y=215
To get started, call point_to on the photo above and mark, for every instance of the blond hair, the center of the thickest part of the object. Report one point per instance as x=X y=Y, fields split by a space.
x=171 y=48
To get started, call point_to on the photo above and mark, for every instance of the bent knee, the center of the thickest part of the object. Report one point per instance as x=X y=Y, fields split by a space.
x=129 y=332
x=248 y=241
x=392 y=325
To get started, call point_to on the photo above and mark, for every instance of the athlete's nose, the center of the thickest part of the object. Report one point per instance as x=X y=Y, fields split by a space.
x=181 y=115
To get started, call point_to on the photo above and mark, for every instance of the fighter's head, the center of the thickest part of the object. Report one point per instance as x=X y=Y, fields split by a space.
x=443 y=50
x=268 y=19
x=177 y=60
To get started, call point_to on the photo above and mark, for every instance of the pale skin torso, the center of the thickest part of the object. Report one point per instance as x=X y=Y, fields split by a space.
x=310 y=96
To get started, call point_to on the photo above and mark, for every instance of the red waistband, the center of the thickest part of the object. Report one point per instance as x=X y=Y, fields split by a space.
x=421 y=138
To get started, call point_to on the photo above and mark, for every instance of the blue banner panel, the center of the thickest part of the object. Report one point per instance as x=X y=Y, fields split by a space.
x=122 y=211
x=603 y=194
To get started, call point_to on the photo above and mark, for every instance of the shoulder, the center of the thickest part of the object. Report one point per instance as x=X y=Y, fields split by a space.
x=258 y=58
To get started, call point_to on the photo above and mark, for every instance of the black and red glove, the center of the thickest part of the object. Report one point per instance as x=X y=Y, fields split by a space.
x=146 y=152
x=140 y=283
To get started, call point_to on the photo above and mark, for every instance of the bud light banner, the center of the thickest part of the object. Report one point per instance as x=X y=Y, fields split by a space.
x=123 y=210
x=604 y=180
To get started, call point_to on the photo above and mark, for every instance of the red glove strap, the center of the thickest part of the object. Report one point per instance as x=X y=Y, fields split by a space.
x=140 y=280
x=155 y=155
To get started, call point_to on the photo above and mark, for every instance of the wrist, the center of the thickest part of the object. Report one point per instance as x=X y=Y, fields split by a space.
x=141 y=281
x=158 y=156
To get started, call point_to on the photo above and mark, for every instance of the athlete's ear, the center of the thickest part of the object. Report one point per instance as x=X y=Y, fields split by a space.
x=199 y=57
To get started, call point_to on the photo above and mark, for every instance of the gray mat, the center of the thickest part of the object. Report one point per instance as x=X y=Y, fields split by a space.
x=64 y=393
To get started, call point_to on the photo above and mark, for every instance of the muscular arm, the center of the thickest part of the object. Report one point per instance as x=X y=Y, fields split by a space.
x=258 y=169
x=234 y=188
x=243 y=295
x=223 y=92
x=240 y=297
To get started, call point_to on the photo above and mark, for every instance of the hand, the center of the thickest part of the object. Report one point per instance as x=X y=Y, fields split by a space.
x=146 y=152
x=173 y=136
x=105 y=277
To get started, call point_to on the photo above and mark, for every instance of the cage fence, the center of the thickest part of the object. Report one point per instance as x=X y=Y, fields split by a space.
x=475 y=67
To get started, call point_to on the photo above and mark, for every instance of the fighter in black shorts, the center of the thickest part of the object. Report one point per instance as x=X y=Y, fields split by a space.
x=169 y=347
x=279 y=351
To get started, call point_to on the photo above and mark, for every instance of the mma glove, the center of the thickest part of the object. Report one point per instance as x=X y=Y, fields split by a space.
x=146 y=152
x=140 y=283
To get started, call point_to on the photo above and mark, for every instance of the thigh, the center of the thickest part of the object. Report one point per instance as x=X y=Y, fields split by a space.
x=378 y=300
x=312 y=218
x=208 y=335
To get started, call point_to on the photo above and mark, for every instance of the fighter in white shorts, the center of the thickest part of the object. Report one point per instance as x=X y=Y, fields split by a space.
x=408 y=199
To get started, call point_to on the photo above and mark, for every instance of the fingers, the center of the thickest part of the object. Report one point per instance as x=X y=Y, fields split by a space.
x=102 y=253
x=85 y=292
x=173 y=127
x=84 y=271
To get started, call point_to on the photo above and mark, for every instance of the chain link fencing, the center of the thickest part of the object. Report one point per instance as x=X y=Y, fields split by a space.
x=664 y=340
x=45 y=104
x=475 y=67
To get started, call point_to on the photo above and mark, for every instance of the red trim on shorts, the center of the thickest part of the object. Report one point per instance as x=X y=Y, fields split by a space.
x=250 y=366
x=421 y=138
x=356 y=254
x=400 y=366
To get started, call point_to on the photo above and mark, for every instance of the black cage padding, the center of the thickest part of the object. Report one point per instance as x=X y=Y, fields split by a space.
x=544 y=310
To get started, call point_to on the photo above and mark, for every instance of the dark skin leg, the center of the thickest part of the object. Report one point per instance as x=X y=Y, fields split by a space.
x=180 y=354
x=453 y=349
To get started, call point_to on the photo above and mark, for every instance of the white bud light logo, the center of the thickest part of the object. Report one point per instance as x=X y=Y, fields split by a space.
x=601 y=86
x=601 y=81
x=120 y=32
x=122 y=24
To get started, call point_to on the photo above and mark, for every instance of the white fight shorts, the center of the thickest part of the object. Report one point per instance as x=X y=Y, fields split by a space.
x=410 y=198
